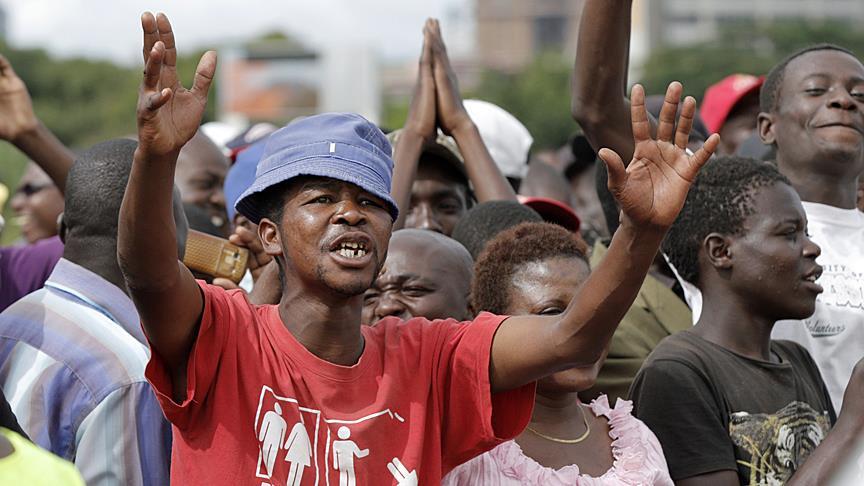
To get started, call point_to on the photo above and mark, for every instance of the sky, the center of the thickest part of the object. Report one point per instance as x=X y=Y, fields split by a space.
x=111 y=29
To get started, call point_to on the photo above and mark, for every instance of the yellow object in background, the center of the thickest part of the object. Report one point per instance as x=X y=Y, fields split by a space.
x=4 y=195
x=30 y=465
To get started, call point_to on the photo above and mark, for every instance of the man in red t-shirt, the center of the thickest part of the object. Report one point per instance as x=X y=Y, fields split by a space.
x=300 y=392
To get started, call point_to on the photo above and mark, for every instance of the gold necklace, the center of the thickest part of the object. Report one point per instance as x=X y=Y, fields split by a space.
x=567 y=441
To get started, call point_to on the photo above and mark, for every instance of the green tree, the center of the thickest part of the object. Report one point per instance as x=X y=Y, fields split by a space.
x=82 y=101
x=742 y=47
x=539 y=96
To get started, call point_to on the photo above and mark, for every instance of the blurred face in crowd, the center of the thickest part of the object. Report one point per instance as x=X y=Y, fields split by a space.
x=546 y=287
x=544 y=180
x=819 y=125
x=586 y=203
x=37 y=204
x=439 y=197
x=425 y=275
x=771 y=266
x=200 y=175
x=332 y=236
x=739 y=125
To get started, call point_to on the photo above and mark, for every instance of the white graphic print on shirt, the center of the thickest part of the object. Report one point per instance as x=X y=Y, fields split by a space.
x=315 y=446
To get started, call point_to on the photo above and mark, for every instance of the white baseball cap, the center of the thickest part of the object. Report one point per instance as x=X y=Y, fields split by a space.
x=506 y=137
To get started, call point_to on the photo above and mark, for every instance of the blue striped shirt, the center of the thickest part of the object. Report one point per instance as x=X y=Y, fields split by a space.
x=72 y=359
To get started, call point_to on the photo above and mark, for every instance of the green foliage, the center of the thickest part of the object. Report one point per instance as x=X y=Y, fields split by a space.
x=743 y=47
x=82 y=101
x=539 y=96
x=394 y=113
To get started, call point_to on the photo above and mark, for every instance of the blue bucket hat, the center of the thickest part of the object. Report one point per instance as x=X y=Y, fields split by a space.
x=241 y=175
x=341 y=146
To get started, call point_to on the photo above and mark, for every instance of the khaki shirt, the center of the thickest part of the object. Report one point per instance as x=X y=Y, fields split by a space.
x=655 y=314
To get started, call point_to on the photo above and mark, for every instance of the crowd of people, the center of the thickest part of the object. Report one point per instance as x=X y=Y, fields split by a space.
x=676 y=296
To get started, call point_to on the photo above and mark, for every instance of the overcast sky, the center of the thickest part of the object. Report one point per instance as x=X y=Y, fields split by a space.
x=111 y=28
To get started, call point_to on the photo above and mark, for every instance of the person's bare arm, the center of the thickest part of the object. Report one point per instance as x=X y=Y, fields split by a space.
x=488 y=181
x=20 y=126
x=166 y=295
x=598 y=102
x=418 y=130
x=651 y=192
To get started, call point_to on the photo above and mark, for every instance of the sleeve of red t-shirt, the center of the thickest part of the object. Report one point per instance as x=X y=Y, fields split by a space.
x=474 y=419
x=224 y=311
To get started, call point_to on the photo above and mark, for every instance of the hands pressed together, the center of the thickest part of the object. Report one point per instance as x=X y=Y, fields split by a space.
x=436 y=101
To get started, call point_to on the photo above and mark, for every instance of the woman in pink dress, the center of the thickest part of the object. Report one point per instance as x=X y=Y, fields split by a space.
x=535 y=268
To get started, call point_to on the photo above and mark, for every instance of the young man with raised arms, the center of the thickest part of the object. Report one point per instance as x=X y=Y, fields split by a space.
x=397 y=403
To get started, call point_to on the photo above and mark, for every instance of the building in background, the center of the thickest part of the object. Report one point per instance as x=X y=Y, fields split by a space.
x=681 y=22
x=510 y=33
x=278 y=79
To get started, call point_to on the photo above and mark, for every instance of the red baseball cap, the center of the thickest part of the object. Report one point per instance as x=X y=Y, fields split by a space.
x=553 y=211
x=721 y=97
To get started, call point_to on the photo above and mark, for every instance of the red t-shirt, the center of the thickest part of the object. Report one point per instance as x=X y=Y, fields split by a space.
x=261 y=409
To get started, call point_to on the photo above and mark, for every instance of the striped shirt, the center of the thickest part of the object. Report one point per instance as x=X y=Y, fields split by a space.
x=72 y=359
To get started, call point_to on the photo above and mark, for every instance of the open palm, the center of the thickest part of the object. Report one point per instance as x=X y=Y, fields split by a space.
x=652 y=189
x=168 y=113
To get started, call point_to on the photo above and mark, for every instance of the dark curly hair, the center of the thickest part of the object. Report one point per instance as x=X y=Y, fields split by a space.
x=719 y=201
x=485 y=220
x=525 y=243
x=769 y=94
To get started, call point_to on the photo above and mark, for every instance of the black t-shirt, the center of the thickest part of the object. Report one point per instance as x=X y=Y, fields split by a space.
x=715 y=410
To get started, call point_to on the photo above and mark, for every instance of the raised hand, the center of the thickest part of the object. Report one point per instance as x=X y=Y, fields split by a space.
x=168 y=113
x=451 y=112
x=652 y=189
x=421 y=114
x=16 y=108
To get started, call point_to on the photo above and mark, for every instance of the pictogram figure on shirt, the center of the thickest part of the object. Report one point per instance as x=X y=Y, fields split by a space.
x=299 y=453
x=271 y=435
x=401 y=474
x=344 y=451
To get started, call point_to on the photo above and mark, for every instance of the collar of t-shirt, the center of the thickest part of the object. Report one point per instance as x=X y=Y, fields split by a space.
x=824 y=213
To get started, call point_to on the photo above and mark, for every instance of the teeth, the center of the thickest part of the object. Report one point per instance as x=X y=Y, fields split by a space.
x=352 y=253
x=353 y=245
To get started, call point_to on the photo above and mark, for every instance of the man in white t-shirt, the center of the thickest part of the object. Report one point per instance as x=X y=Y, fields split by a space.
x=813 y=114
x=812 y=107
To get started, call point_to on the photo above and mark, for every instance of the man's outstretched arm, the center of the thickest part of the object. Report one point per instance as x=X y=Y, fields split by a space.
x=651 y=192
x=166 y=295
x=598 y=102
x=20 y=126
